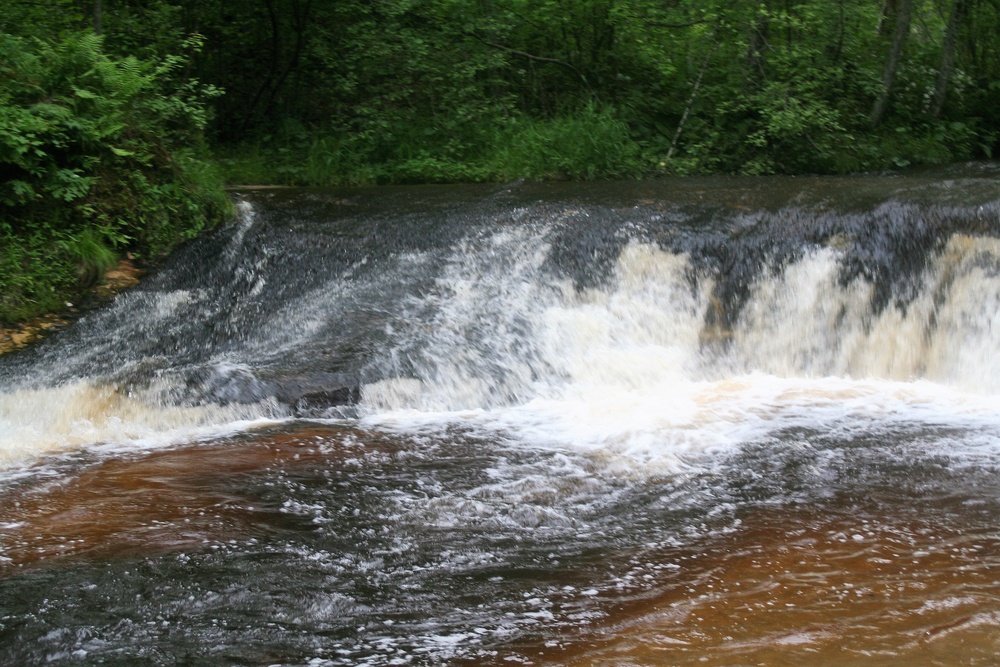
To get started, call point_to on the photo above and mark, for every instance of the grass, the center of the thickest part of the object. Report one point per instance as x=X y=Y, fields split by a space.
x=587 y=144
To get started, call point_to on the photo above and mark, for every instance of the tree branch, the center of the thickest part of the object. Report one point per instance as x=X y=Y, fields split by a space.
x=664 y=24
x=531 y=56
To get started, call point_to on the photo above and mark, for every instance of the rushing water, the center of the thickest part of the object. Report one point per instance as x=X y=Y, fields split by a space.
x=710 y=422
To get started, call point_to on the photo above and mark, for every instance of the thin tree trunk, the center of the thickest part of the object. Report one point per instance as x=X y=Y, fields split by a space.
x=300 y=17
x=838 y=49
x=98 y=11
x=904 y=14
x=947 y=57
x=691 y=98
x=887 y=19
x=756 y=57
x=252 y=110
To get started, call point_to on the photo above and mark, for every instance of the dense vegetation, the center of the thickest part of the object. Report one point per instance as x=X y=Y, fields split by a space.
x=97 y=155
x=352 y=91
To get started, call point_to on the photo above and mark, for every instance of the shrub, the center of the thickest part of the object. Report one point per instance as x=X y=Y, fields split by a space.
x=589 y=143
x=96 y=155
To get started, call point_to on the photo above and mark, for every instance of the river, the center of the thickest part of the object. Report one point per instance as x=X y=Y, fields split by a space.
x=726 y=421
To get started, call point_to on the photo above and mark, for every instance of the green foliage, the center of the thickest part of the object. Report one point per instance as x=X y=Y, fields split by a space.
x=433 y=90
x=33 y=278
x=407 y=90
x=587 y=144
x=96 y=157
x=52 y=18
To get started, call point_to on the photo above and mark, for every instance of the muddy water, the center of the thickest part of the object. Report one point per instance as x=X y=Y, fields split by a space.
x=266 y=541
x=741 y=422
x=818 y=586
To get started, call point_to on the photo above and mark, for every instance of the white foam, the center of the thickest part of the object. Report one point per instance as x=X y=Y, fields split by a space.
x=619 y=371
x=803 y=322
x=35 y=422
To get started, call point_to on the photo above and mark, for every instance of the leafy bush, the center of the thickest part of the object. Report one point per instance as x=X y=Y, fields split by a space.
x=585 y=144
x=97 y=155
x=590 y=143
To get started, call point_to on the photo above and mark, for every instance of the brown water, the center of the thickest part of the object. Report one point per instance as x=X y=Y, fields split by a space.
x=888 y=577
x=863 y=584
x=707 y=422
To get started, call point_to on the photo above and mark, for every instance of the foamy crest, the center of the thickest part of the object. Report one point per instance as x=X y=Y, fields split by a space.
x=802 y=321
x=35 y=422
x=620 y=370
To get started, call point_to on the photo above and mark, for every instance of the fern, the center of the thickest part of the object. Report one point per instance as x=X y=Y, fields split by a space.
x=90 y=152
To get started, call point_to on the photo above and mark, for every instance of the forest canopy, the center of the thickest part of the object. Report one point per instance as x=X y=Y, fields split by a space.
x=398 y=90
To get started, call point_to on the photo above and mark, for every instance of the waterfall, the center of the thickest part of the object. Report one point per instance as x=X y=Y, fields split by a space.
x=573 y=315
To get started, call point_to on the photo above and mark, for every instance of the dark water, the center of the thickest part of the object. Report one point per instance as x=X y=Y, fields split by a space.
x=725 y=421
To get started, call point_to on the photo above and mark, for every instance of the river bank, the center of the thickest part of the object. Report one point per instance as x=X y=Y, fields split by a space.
x=120 y=277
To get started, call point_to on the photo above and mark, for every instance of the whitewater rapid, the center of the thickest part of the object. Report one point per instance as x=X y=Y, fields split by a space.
x=493 y=339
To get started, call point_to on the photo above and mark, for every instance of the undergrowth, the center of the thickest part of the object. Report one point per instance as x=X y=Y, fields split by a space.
x=97 y=156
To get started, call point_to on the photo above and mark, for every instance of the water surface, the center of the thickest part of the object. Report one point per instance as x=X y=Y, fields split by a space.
x=720 y=421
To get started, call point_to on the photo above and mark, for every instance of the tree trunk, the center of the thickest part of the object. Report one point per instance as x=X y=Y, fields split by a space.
x=98 y=10
x=947 y=57
x=757 y=45
x=904 y=14
x=838 y=48
x=300 y=23
x=691 y=98
x=887 y=18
